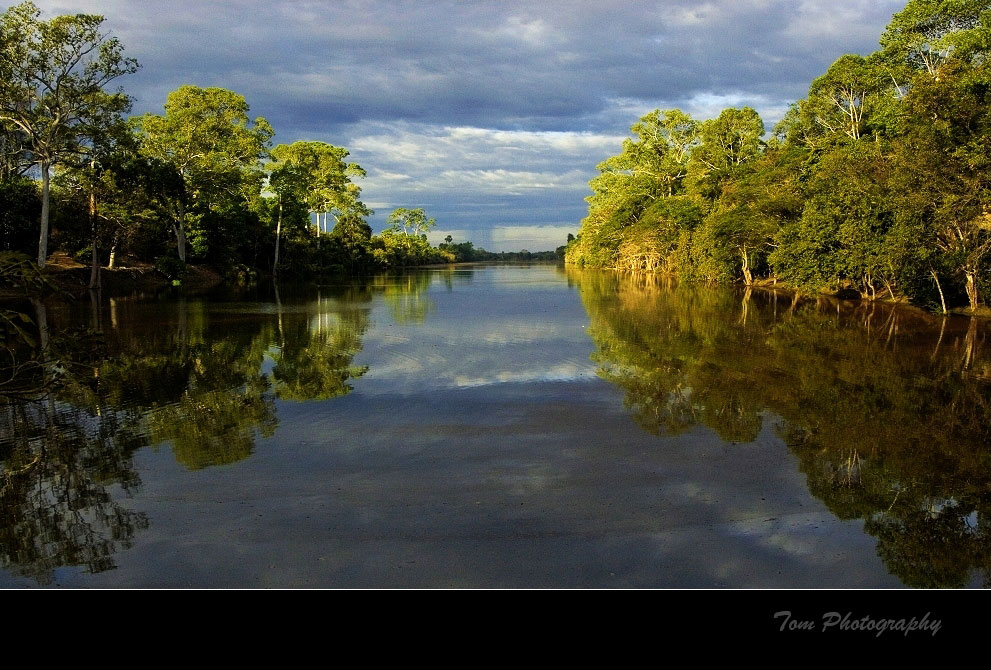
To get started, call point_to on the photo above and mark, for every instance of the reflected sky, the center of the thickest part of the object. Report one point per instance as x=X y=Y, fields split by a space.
x=501 y=426
x=506 y=326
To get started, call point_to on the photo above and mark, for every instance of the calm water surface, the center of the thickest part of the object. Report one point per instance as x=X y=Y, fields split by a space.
x=502 y=426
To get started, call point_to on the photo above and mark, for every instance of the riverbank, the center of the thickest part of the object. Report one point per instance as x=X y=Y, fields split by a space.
x=72 y=277
x=841 y=295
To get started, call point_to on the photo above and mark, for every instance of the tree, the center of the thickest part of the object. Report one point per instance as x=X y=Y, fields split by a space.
x=753 y=208
x=92 y=175
x=944 y=165
x=323 y=180
x=207 y=137
x=650 y=168
x=333 y=191
x=288 y=180
x=409 y=222
x=52 y=76
x=651 y=165
x=843 y=96
x=724 y=144
x=927 y=33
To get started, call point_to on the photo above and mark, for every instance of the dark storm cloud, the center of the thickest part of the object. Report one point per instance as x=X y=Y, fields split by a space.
x=569 y=77
x=548 y=65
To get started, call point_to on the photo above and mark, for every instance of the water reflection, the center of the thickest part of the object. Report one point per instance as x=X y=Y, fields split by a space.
x=56 y=508
x=407 y=296
x=314 y=359
x=502 y=432
x=202 y=380
x=887 y=410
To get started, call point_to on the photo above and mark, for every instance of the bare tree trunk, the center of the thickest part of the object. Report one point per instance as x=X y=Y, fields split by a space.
x=278 y=233
x=180 y=232
x=971 y=287
x=942 y=298
x=45 y=192
x=891 y=291
x=748 y=277
x=94 y=272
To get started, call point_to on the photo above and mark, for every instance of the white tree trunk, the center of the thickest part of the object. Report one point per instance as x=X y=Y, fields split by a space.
x=45 y=189
x=94 y=272
x=278 y=234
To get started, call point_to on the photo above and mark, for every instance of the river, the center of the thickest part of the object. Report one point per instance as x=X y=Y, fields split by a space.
x=499 y=426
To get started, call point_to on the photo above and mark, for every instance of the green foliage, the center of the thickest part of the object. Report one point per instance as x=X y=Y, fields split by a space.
x=207 y=138
x=725 y=144
x=319 y=174
x=52 y=79
x=869 y=398
x=171 y=267
x=927 y=33
x=877 y=182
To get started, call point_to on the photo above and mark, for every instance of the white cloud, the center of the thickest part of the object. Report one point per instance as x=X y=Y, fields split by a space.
x=535 y=238
x=486 y=113
x=464 y=175
x=557 y=373
x=437 y=236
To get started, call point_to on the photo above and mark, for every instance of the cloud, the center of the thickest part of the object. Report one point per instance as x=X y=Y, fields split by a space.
x=550 y=65
x=487 y=113
x=531 y=237
x=472 y=179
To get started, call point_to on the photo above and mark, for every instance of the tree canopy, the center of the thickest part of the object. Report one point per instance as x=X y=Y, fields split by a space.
x=875 y=183
x=52 y=99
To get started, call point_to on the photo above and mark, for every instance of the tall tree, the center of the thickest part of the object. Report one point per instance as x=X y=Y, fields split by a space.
x=927 y=33
x=944 y=163
x=207 y=137
x=52 y=79
x=842 y=97
x=724 y=144
x=94 y=174
x=288 y=181
x=409 y=222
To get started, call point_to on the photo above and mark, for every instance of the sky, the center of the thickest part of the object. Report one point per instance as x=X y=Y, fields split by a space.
x=490 y=115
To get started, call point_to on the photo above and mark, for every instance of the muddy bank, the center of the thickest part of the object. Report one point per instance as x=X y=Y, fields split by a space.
x=129 y=280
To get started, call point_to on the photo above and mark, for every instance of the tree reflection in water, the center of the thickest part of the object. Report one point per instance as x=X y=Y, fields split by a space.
x=407 y=297
x=190 y=378
x=888 y=410
x=314 y=361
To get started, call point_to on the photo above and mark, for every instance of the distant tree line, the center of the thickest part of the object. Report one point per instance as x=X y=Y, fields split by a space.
x=465 y=252
x=199 y=183
x=875 y=184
